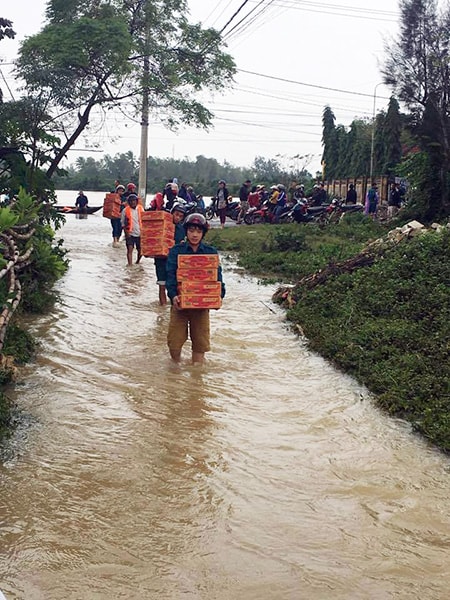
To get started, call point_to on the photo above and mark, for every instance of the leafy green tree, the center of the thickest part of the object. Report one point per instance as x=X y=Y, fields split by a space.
x=94 y=54
x=417 y=69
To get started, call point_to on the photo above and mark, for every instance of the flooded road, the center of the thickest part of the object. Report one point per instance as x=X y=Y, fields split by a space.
x=263 y=475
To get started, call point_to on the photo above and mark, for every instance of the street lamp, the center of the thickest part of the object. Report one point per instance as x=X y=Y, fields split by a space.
x=372 y=146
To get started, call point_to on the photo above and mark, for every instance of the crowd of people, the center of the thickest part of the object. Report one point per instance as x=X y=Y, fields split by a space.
x=190 y=229
x=189 y=232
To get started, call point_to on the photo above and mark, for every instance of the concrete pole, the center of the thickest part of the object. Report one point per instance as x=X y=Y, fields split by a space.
x=142 y=187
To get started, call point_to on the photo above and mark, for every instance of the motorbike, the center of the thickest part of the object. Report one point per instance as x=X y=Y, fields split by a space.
x=233 y=210
x=265 y=214
x=301 y=212
x=189 y=207
x=338 y=209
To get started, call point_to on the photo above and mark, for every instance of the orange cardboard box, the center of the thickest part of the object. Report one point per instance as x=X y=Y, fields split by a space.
x=157 y=215
x=159 y=225
x=208 y=288
x=156 y=249
x=201 y=274
x=152 y=238
x=194 y=261
x=188 y=300
x=157 y=234
x=111 y=206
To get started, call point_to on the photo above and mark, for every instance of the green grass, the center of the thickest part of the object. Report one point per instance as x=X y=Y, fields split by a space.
x=387 y=325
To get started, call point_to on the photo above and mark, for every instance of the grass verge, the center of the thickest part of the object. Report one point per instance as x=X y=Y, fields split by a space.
x=387 y=324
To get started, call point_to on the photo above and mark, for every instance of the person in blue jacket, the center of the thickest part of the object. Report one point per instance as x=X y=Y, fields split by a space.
x=196 y=320
x=178 y=213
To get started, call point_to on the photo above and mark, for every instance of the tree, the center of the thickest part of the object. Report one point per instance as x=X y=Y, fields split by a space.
x=417 y=68
x=330 y=155
x=90 y=55
x=6 y=30
x=391 y=138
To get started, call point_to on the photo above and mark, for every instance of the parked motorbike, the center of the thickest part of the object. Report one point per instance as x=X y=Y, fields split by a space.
x=301 y=212
x=260 y=214
x=233 y=209
x=338 y=209
x=189 y=207
x=264 y=214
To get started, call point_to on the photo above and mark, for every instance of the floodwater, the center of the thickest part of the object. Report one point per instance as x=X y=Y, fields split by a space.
x=263 y=475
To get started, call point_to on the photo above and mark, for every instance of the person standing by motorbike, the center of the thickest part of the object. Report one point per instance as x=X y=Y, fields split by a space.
x=351 y=196
x=243 y=197
x=221 y=199
x=281 y=202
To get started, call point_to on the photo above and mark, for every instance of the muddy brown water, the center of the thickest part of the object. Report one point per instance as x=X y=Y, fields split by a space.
x=264 y=475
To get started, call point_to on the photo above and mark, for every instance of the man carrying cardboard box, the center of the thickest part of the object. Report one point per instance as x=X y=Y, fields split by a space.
x=192 y=255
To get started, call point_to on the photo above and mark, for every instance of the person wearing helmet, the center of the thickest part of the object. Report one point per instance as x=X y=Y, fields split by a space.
x=178 y=213
x=196 y=321
x=170 y=192
x=281 y=202
x=131 y=189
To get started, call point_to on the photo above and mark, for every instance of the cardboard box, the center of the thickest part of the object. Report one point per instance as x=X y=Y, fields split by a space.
x=155 y=248
x=157 y=215
x=198 y=261
x=188 y=300
x=207 y=288
x=201 y=274
x=152 y=238
x=111 y=206
x=156 y=228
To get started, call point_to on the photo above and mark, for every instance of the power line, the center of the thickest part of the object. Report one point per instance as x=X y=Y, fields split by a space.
x=321 y=87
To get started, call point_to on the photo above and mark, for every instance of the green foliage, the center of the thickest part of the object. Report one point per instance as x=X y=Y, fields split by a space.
x=289 y=252
x=49 y=264
x=93 y=54
x=20 y=344
x=389 y=327
x=7 y=218
x=416 y=68
x=202 y=173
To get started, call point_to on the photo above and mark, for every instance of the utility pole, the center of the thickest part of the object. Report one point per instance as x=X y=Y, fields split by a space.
x=142 y=187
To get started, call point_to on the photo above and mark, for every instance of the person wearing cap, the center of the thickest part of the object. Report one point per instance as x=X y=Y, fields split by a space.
x=131 y=220
x=194 y=321
x=178 y=213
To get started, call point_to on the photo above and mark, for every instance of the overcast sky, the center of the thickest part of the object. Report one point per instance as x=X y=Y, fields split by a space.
x=294 y=57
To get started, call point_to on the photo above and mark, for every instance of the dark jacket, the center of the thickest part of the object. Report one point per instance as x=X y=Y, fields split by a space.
x=351 y=196
x=172 y=265
x=244 y=192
